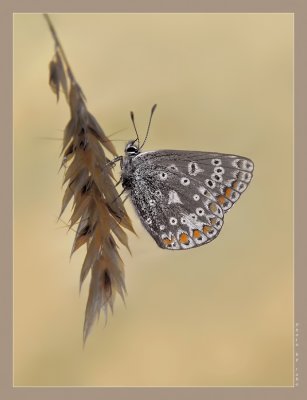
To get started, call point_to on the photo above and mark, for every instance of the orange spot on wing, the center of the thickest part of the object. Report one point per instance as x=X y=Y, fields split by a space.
x=221 y=200
x=228 y=192
x=167 y=241
x=196 y=234
x=184 y=238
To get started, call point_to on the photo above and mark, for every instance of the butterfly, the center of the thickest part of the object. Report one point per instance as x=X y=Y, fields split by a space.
x=180 y=196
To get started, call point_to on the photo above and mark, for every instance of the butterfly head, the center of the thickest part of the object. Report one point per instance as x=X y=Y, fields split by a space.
x=131 y=149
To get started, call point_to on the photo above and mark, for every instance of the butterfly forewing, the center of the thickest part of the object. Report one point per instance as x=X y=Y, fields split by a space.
x=226 y=176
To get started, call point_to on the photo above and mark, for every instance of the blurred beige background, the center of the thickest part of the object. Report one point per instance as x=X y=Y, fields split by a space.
x=219 y=315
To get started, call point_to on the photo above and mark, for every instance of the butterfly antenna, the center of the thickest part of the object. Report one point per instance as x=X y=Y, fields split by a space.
x=151 y=114
x=137 y=136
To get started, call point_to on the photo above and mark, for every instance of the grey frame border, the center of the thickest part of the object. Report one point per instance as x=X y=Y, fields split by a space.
x=299 y=8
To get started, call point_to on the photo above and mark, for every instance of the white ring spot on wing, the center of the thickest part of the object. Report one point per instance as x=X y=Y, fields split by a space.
x=210 y=183
x=173 y=221
x=183 y=220
x=216 y=161
x=162 y=227
x=217 y=177
x=219 y=170
x=149 y=221
x=185 y=181
x=152 y=202
x=173 y=197
x=163 y=176
x=196 y=197
x=200 y=211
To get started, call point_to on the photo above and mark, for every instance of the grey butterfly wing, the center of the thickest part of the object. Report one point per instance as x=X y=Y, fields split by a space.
x=226 y=176
x=181 y=196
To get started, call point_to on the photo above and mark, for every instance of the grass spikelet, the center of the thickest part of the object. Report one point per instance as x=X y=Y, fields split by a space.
x=97 y=210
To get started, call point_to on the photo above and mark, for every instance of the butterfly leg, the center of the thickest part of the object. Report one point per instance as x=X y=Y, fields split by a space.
x=119 y=181
x=117 y=197
x=114 y=161
x=125 y=198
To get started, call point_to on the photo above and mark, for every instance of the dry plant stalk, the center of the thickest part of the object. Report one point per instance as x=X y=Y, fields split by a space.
x=98 y=211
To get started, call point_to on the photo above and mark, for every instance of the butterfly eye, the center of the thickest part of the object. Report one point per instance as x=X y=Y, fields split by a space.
x=130 y=149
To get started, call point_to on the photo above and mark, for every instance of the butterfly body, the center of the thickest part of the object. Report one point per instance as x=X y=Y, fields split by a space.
x=181 y=196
